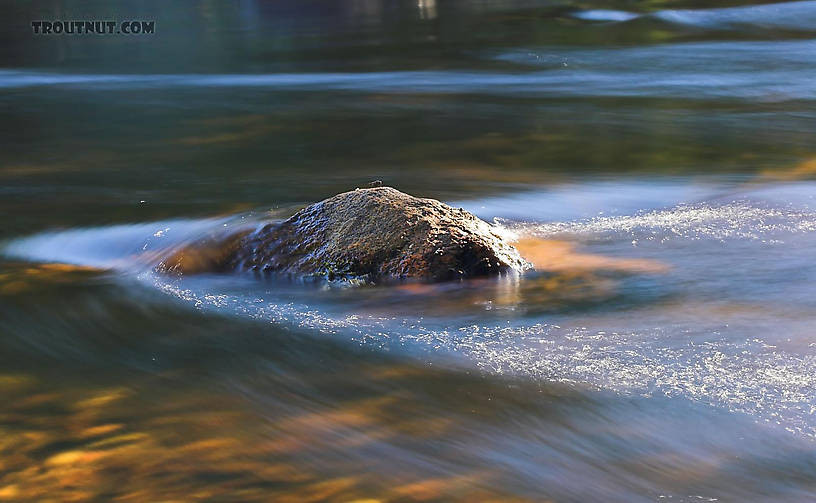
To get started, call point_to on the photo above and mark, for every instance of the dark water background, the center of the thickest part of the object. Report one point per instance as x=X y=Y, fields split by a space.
x=681 y=132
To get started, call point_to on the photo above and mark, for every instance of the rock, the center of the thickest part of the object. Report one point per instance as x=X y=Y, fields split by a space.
x=368 y=235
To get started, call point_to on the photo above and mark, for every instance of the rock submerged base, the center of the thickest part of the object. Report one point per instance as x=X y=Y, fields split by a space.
x=369 y=235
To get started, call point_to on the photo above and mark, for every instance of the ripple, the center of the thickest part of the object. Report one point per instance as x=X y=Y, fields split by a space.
x=768 y=71
x=735 y=357
x=712 y=363
x=786 y=15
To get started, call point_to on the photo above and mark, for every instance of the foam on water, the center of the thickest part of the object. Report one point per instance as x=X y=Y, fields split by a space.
x=738 y=219
x=713 y=363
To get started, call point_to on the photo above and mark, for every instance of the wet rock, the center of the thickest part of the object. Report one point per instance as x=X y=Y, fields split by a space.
x=367 y=235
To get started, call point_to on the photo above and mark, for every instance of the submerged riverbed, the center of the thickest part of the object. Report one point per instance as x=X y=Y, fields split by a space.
x=650 y=132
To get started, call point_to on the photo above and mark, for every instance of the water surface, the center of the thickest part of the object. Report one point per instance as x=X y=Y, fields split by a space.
x=667 y=132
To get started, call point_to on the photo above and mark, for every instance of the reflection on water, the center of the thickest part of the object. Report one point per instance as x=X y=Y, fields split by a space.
x=111 y=442
x=700 y=341
x=656 y=157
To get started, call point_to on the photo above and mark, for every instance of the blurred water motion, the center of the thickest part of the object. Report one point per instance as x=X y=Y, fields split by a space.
x=657 y=156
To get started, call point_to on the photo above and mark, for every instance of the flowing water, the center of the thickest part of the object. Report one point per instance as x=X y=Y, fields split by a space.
x=643 y=132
